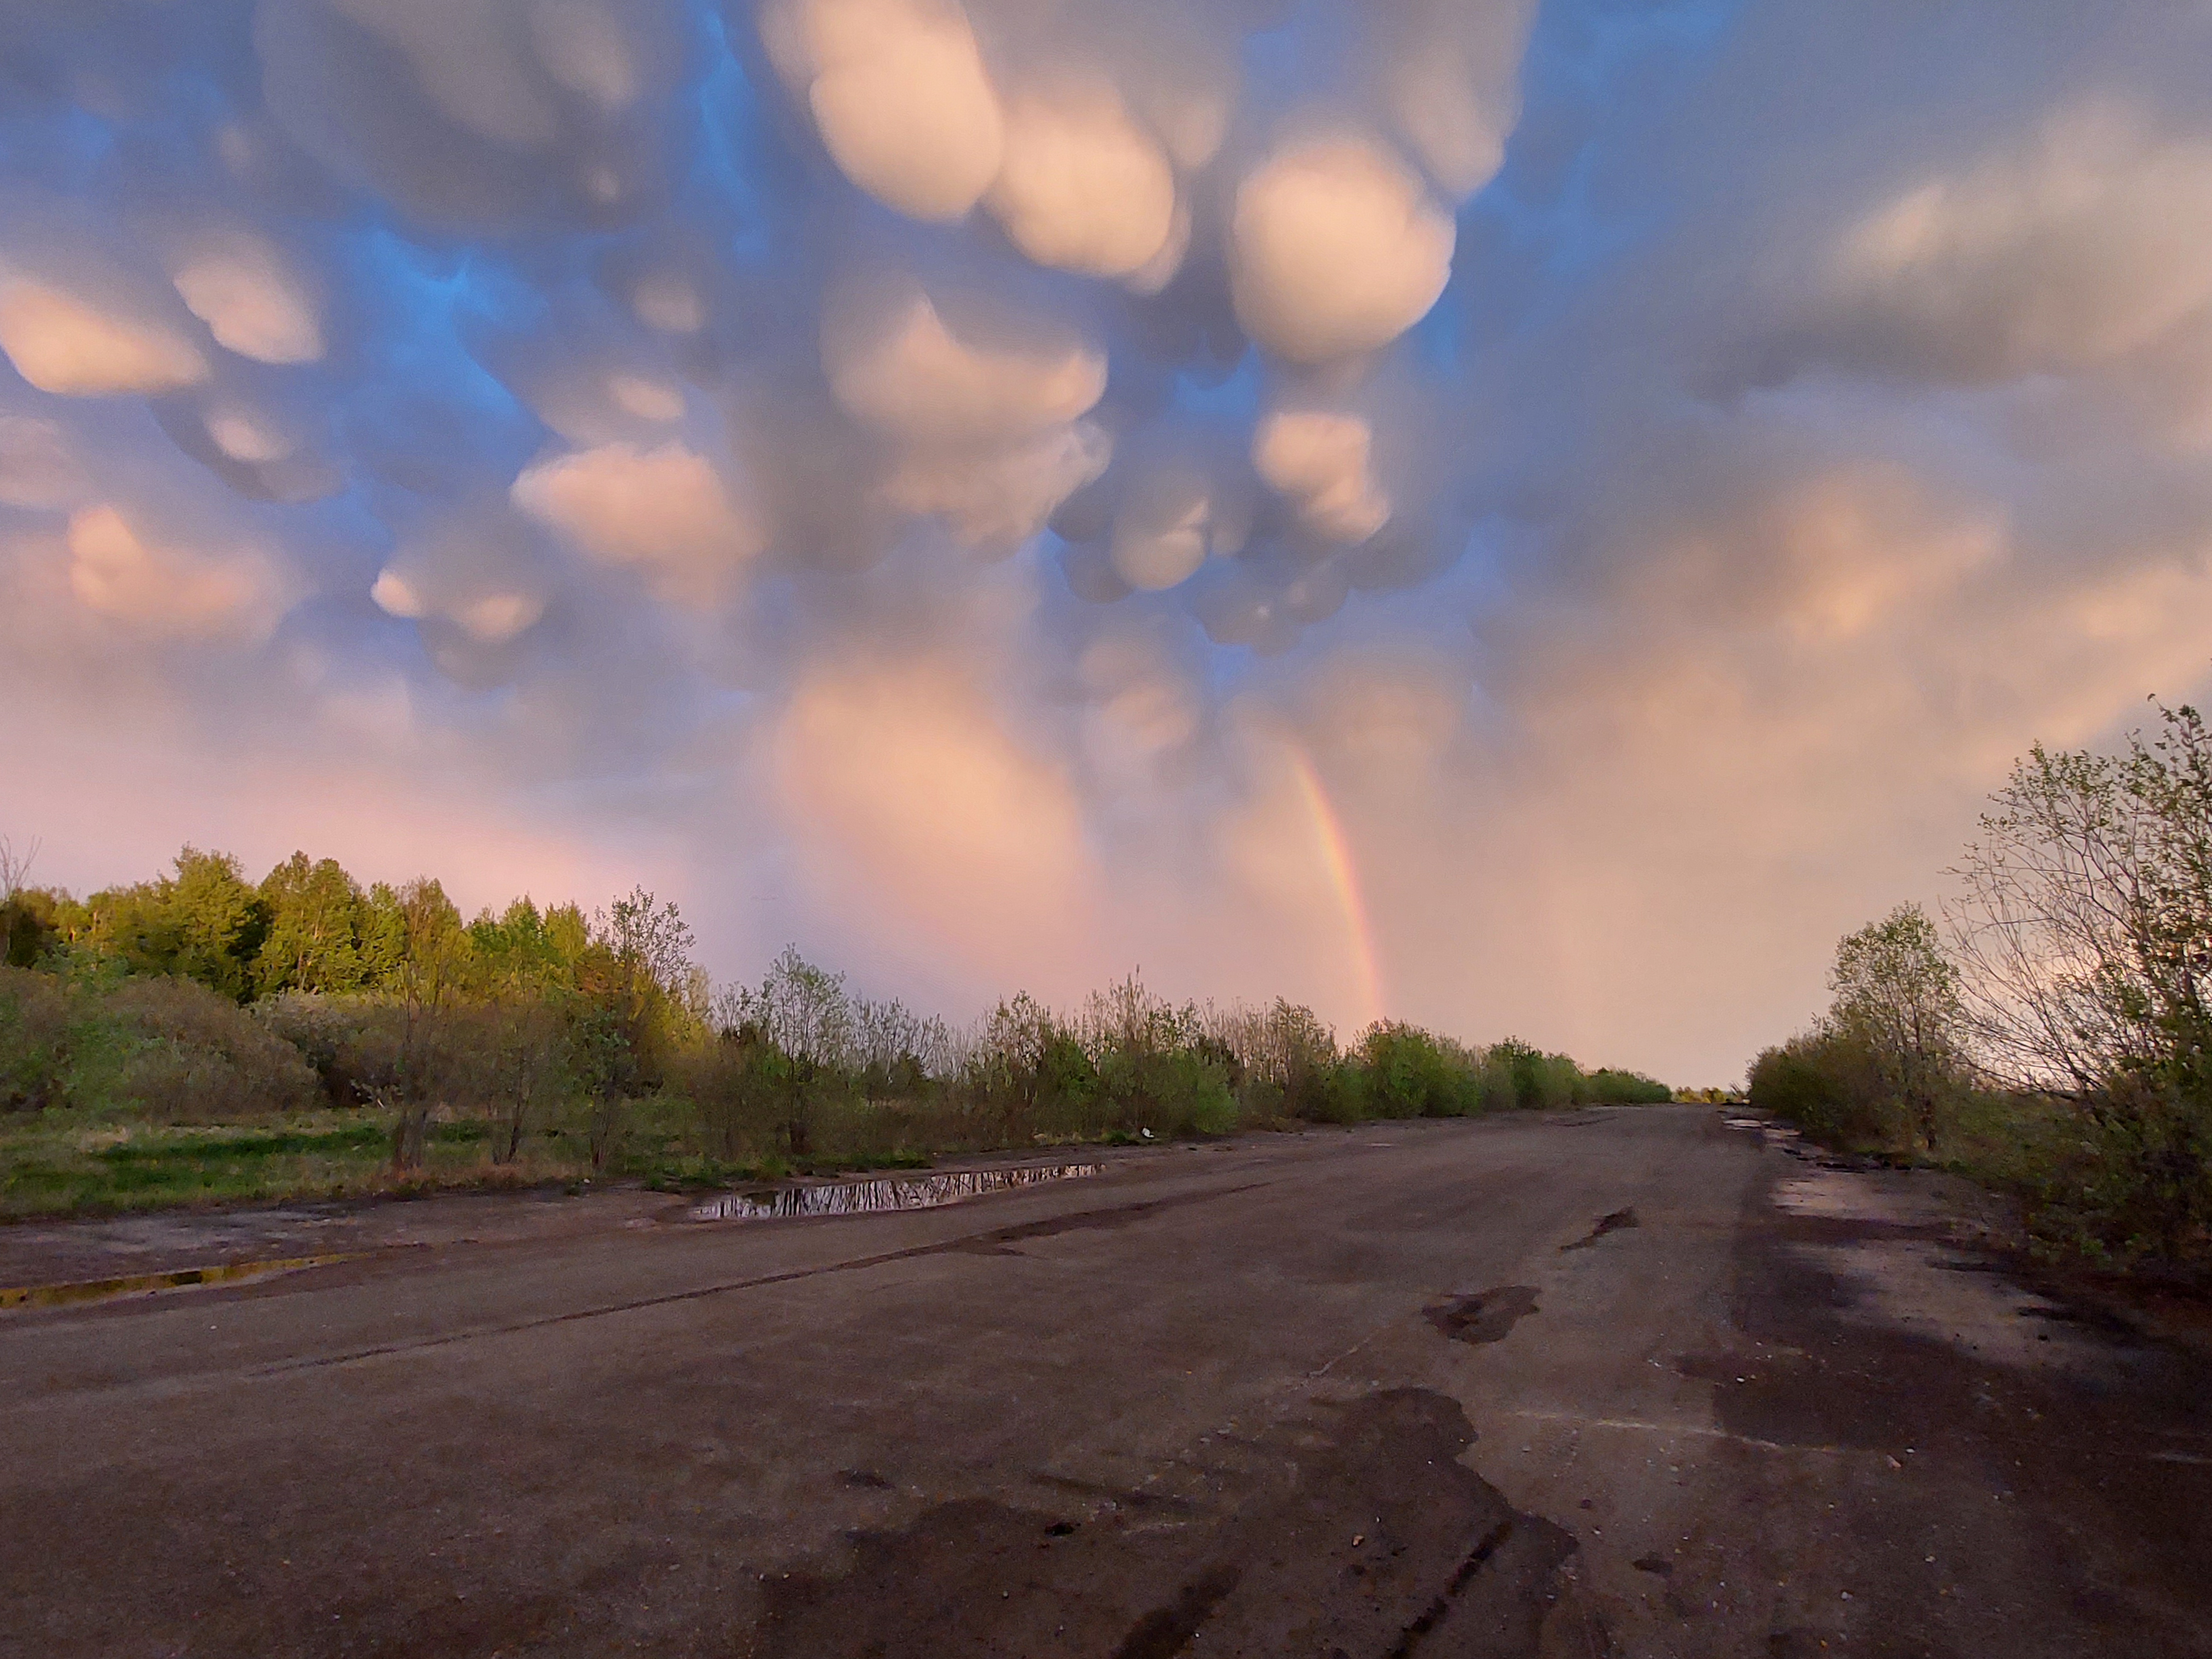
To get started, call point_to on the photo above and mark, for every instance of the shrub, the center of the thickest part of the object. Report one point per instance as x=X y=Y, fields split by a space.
x=747 y=1092
x=1411 y=1072
x=1827 y=1084
x=36 y=1014
x=1541 y=1082
x=1608 y=1087
x=154 y=1045
x=196 y=1056
x=1176 y=1092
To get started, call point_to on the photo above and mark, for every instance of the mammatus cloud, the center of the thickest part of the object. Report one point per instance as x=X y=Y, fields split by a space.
x=65 y=344
x=229 y=595
x=1532 y=519
x=1335 y=248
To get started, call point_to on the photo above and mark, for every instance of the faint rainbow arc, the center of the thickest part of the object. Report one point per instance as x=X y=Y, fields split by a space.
x=1343 y=876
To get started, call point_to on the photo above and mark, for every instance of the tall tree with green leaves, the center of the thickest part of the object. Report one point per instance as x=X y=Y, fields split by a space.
x=429 y=973
x=1897 y=992
x=202 y=922
x=316 y=913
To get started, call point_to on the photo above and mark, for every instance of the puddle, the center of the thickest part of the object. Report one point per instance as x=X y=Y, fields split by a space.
x=884 y=1194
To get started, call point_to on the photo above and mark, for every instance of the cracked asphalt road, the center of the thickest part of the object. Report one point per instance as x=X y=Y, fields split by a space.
x=1619 y=1382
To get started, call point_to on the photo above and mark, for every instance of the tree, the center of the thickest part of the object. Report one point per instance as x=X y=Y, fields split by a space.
x=893 y=1048
x=654 y=942
x=803 y=1014
x=426 y=979
x=1896 y=992
x=204 y=922
x=315 y=913
x=521 y=1057
x=2085 y=929
x=29 y=924
x=2085 y=922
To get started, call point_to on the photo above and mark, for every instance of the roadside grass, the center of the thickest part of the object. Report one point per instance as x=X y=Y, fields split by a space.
x=2041 y=1156
x=56 y=1164
x=61 y=1160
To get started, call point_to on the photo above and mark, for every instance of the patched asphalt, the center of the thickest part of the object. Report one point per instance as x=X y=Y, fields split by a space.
x=1621 y=1383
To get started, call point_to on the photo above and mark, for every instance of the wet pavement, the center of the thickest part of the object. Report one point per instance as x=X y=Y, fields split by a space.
x=1619 y=1383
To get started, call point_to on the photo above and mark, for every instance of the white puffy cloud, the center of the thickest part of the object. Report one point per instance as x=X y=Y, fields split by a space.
x=1083 y=186
x=170 y=591
x=1320 y=459
x=666 y=511
x=246 y=435
x=254 y=303
x=1450 y=75
x=963 y=368
x=1335 y=247
x=995 y=500
x=898 y=91
x=64 y=343
x=1175 y=511
x=474 y=567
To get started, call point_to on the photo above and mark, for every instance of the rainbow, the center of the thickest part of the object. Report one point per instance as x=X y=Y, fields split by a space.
x=1343 y=876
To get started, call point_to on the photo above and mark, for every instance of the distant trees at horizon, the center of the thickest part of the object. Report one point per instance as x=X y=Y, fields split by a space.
x=394 y=1001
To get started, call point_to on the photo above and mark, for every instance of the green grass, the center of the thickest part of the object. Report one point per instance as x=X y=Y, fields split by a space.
x=65 y=1164
x=54 y=1163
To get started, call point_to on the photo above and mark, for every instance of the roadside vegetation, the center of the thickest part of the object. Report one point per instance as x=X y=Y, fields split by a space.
x=202 y=1037
x=2051 y=1034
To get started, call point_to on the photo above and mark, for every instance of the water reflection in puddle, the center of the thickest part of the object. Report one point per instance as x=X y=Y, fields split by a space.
x=874 y=1197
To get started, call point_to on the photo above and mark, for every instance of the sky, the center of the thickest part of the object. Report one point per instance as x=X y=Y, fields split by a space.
x=1527 y=516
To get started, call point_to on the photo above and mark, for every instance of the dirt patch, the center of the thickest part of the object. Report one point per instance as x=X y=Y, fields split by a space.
x=1358 y=1533
x=1485 y=1316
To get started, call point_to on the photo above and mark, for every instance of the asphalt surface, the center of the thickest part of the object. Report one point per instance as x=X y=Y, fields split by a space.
x=1616 y=1383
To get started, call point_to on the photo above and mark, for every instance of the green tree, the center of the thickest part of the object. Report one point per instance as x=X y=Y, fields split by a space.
x=204 y=922
x=30 y=923
x=316 y=913
x=1896 y=992
x=2085 y=930
x=430 y=970
x=517 y=950
x=1412 y=1073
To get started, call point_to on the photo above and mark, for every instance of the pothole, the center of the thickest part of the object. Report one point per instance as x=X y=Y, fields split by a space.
x=884 y=1193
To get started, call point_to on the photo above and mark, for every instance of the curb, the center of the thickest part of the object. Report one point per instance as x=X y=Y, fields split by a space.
x=99 y=1289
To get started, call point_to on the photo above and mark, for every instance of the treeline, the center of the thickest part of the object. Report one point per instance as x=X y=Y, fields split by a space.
x=202 y=996
x=2053 y=1032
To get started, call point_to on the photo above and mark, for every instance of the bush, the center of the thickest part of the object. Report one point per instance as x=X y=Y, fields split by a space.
x=2129 y=1180
x=1411 y=1072
x=1829 y=1086
x=1539 y=1081
x=747 y=1095
x=154 y=1045
x=36 y=1014
x=1611 y=1088
x=1176 y=1092
x=193 y=1055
